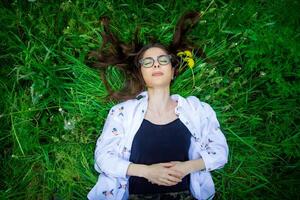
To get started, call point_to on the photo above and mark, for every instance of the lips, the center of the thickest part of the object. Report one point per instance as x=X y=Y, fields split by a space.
x=157 y=73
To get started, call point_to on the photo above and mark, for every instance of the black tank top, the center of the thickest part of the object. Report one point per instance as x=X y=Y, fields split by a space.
x=154 y=143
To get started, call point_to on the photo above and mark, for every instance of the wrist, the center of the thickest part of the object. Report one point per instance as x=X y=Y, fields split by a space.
x=143 y=171
x=138 y=170
x=195 y=165
x=189 y=168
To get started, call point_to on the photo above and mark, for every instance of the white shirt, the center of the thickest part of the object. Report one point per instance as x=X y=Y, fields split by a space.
x=123 y=121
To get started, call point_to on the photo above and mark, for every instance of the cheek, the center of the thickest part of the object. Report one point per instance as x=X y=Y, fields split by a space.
x=169 y=70
x=145 y=74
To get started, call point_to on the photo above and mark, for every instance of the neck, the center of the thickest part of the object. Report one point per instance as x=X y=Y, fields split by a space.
x=159 y=99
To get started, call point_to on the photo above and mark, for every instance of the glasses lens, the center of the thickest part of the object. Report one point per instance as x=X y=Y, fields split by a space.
x=147 y=62
x=164 y=59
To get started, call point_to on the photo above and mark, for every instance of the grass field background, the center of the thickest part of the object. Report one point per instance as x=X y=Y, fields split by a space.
x=52 y=104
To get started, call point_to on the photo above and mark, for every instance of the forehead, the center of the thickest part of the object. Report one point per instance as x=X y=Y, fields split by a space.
x=154 y=51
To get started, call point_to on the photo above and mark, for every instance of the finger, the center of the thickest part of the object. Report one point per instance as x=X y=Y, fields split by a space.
x=175 y=173
x=154 y=182
x=174 y=179
x=161 y=182
x=169 y=164
x=167 y=182
x=157 y=182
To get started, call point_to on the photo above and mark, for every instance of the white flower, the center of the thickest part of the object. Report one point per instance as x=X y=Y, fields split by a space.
x=55 y=139
x=262 y=73
x=69 y=125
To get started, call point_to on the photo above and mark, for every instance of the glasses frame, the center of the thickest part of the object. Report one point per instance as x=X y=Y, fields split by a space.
x=157 y=58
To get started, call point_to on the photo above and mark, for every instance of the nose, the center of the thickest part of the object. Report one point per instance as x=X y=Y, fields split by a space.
x=156 y=63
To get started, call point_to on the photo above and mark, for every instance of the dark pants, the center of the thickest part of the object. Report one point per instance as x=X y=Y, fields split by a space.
x=184 y=195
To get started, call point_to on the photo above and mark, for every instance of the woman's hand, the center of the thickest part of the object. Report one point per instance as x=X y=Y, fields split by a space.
x=163 y=174
x=183 y=167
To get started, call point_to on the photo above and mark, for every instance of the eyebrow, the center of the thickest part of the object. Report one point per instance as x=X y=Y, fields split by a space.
x=156 y=56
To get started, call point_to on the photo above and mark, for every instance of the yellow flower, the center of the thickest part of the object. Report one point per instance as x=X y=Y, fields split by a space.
x=180 y=53
x=187 y=57
x=188 y=54
x=190 y=62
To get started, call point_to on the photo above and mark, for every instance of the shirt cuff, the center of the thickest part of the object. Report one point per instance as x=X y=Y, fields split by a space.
x=117 y=168
x=207 y=160
x=120 y=168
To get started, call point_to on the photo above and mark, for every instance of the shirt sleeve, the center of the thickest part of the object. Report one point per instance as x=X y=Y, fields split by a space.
x=214 y=148
x=107 y=159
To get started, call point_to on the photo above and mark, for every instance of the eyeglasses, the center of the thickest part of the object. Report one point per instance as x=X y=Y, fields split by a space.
x=149 y=61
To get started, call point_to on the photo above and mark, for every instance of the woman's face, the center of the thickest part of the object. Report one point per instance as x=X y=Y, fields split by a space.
x=160 y=74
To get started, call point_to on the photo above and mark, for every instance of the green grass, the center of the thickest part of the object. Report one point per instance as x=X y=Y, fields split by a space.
x=52 y=105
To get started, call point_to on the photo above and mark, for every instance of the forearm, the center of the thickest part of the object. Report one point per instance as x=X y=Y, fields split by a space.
x=136 y=170
x=195 y=165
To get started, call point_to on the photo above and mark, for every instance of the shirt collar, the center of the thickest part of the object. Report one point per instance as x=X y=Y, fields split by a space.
x=143 y=98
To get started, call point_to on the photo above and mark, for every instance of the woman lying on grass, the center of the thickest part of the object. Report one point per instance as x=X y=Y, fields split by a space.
x=155 y=145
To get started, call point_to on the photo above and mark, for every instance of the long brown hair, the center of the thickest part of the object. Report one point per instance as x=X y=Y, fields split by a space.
x=125 y=56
